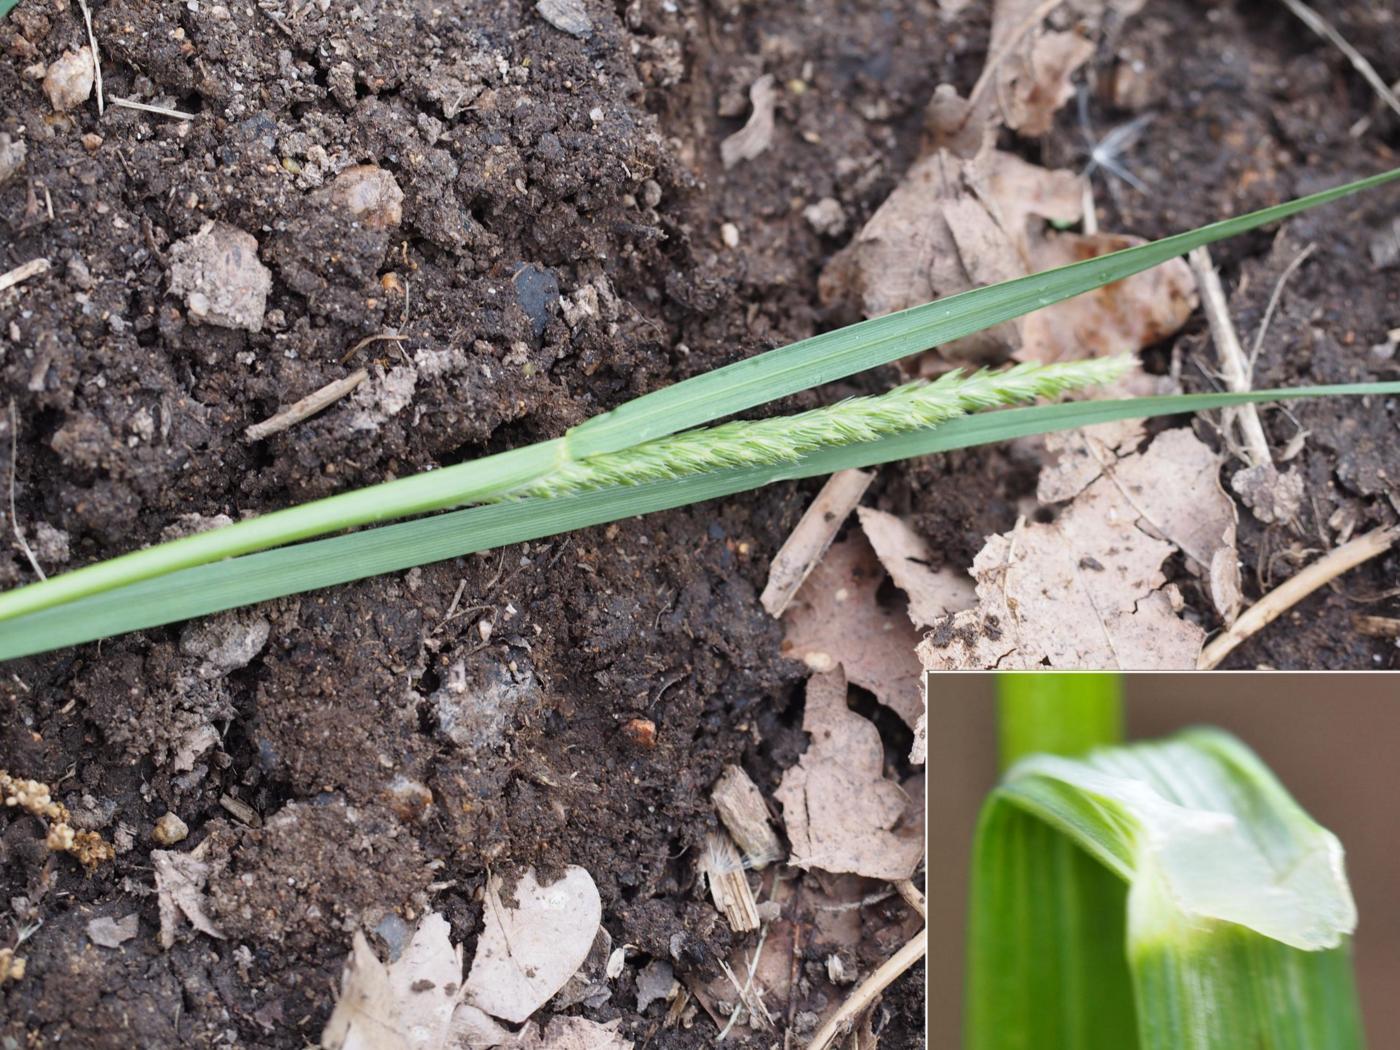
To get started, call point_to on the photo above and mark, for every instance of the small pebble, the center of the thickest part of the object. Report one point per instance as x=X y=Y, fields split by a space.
x=68 y=81
x=11 y=157
x=570 y=16
x=729 y=234
x=218 y=272
x=92 y=143
x=169 y=830
x=641 y=732
x=370 y=194
x=826 y=216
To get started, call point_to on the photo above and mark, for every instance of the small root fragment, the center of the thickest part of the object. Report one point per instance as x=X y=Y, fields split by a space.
x=865 y=994
x=1289 y=593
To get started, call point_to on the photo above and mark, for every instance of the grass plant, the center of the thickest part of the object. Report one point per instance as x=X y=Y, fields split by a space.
x=645 y=455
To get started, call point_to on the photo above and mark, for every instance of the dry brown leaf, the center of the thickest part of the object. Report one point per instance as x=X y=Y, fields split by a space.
x=1086 y=590
x=841 y=814
x=1033 y=81
x=837 y=619
x=756 y=135
x=574 y=1033
x=1124 y=316
x=529 y=950
x=933 y=593
x=406 y=1005
x=180 y=882
x=107 y=932
x=950 y=225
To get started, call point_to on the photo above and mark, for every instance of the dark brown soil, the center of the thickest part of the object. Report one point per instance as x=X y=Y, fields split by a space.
x=593 y=161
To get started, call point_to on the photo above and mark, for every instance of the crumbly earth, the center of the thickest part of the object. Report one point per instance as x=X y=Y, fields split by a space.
x=559 y=249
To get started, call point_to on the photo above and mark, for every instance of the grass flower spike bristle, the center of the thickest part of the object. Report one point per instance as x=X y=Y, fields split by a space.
x=785 y=439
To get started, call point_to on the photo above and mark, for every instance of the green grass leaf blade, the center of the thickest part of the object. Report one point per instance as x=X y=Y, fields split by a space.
x=271 y=574
x=834 y=355
x=1047 y=965
x=1239 y=915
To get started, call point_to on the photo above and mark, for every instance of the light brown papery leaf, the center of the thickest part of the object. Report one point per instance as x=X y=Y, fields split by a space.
x=1086 y=590
x=841 y=814
x=1125 y=316
x=574 y=1033
x=756 y=135
x=406 y=1005
x=950 y=225
x=837 y=619
x=180 y=882
x=933 y=593
x=528 y=951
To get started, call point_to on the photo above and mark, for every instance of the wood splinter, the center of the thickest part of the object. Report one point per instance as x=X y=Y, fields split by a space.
x=729 y=886
x=741 y=809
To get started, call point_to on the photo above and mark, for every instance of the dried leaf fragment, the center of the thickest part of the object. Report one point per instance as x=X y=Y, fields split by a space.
x=180 y=882
x=842 y=815
x=107 y=932
x=527 y=952
x=1086 y=590
x=837 y=619
x=575 y=1033
x=933 y=593
x=757 y=134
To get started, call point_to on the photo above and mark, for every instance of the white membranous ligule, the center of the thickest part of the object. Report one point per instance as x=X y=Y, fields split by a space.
x=784 y=439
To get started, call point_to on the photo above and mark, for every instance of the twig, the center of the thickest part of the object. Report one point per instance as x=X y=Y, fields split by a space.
x=758 y=1011
x=1328 y=32
x=14 y=515
x=96 y=61
x=23 y=272
x=1377 y=626
x=812 y=536
x=1233 y=367
x=839 y=1023
x=306 y=407
x=1274 y=298
x=912 y=897
x=1289 y=593
x=381 y=337
x=165 y=111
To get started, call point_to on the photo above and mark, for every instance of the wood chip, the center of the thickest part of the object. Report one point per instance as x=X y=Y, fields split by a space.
x=241 y=810
x=306 y=407
x=724 y=871
x=812 y=536
x=1377 y=626
x=742 y=810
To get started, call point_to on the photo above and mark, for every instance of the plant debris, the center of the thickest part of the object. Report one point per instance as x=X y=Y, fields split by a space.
x=180 y=882
x=837 y=619
x=107 y=932
x=723 y=869
x=744 y=814
x=530 y=948
x=1097 y=565
x=756 y=135
x=933 y=593
x=841 y=814
x=811 y=537
x=406 y=1005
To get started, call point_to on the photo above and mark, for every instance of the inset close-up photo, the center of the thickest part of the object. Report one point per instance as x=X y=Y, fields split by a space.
x=1163 y=862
